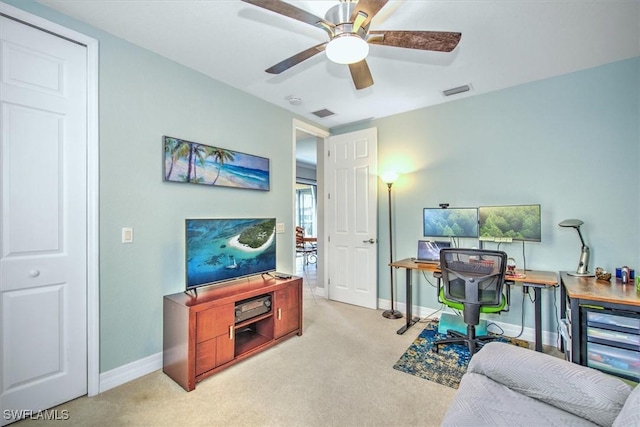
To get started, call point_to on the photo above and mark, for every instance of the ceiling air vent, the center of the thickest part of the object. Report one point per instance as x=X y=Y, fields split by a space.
x=323 y=113
x=456 y=90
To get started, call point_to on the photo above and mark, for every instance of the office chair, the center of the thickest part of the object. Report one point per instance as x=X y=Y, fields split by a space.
x=471 y=280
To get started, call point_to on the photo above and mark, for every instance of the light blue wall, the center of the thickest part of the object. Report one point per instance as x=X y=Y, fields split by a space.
x=570 y=143
x=143 y=97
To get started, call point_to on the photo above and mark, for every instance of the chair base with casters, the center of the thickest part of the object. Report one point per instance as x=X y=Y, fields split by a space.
x=472 y=320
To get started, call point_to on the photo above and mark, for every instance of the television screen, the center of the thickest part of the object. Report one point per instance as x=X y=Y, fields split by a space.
x=450 y=222
x=221 y=249
x=516 y=222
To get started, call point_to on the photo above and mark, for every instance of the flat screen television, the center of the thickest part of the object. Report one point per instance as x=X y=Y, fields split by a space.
x=450 y=222
x=515 y=222
x=223 y=249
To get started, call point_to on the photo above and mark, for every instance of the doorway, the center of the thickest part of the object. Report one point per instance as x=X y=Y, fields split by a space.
x=309 y=207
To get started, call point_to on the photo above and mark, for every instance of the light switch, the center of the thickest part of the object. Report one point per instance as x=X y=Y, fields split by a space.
x=280 y=227
x=127 y=235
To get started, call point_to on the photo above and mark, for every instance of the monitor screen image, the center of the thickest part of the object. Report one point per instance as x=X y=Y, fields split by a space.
x=516 y=222
x=450 y=222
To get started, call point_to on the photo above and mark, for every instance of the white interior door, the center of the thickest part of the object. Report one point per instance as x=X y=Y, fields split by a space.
x=43 y=233
x=352 y=217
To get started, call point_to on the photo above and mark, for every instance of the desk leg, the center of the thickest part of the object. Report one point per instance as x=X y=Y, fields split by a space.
x=538 y=317
x=575 y=332
x=410 y=319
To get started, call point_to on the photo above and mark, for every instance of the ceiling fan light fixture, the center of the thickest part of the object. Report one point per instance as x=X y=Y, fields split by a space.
x=347 y=48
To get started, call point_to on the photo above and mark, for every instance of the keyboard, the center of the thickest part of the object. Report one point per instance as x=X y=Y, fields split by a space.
x=470 y=267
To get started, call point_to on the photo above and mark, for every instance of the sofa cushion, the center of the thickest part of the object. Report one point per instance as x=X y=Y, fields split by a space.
x=583 y=391
x=481 y=401
x=630 y=414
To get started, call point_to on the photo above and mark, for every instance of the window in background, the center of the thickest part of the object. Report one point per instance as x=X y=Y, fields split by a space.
x=306 y=208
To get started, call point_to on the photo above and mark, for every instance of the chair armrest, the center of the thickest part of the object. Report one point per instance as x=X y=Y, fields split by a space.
x=577 y=389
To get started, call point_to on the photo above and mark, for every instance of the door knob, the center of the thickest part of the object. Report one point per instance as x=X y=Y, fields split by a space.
x=372 y=241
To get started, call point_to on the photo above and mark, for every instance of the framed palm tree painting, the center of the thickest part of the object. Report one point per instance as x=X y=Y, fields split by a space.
x=191 y=162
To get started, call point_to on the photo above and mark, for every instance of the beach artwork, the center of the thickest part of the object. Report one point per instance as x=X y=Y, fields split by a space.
x=219 y=249
x=190 y=162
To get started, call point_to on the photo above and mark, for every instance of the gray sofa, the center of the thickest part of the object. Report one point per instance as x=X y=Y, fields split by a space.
x=506 y=385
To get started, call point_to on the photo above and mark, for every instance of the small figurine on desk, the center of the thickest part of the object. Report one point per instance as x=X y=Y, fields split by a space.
x=511 y=269
x=602 y=275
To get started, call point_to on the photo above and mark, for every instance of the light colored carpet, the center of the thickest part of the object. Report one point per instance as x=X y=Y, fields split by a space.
x=338 y=373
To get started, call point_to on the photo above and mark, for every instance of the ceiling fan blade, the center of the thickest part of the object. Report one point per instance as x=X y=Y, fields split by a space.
x=364 y=12
x=440 y=41
x=296 y=59
x=361 y=74
x=293 y=12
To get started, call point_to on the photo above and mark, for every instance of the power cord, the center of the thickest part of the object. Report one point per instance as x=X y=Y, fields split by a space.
x=426 y=277
x=521 y=321
x=432 y=319
x=501 y=333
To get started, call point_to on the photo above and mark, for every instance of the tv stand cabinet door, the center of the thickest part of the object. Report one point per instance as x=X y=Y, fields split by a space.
x=287 y=309
x=214 y=337
x=214 y=322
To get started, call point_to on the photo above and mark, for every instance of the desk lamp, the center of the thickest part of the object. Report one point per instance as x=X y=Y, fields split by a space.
x=583 y=264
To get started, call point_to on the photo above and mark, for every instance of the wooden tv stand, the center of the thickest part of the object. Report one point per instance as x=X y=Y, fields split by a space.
x=202 y=337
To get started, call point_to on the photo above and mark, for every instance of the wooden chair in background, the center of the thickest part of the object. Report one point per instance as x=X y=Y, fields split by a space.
x=305 y=248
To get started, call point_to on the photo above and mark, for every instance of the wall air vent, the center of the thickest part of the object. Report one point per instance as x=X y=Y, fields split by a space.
x=456 y=90
x=323 y=113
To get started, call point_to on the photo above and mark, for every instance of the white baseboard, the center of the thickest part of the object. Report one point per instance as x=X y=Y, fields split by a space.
x=319 y=292
x=508 y=329
x=130 y=372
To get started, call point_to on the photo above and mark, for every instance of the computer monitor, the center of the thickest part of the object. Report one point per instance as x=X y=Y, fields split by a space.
x=513 y=222
x=450 y=222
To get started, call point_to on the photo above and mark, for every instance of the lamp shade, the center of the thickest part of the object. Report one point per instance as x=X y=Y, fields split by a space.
x=390 y=177
x=571 y=223
x=347 y=48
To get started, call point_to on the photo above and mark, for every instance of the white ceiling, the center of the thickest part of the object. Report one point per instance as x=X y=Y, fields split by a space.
x=504 y=43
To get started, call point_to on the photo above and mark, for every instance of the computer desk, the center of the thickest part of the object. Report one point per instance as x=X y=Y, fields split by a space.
x=535 y=279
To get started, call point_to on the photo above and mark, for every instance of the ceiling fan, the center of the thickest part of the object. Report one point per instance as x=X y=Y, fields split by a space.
x=347 y=24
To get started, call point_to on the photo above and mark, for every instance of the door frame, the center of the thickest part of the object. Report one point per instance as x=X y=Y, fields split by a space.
x=321 y=265
x=93 y=164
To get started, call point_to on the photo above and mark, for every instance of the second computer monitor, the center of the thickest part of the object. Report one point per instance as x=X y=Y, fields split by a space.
x=515 y=222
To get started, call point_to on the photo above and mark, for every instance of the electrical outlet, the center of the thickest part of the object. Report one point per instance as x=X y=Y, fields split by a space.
x=127 y=235
x=280 y=227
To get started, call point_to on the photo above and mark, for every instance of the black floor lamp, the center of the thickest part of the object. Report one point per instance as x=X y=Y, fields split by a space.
x=389 y=178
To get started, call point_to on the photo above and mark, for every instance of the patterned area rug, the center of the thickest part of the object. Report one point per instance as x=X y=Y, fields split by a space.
x=445 y=367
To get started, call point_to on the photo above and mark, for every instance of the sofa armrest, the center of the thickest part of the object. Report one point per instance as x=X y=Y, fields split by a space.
x=630 y=414
x=577 y=389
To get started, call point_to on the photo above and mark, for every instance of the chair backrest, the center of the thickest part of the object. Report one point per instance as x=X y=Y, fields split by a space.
x=299 y=236
x=473 y=276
